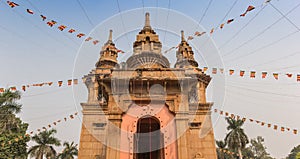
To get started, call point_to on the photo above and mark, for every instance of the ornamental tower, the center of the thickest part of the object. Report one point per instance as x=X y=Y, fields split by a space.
x=144 y=109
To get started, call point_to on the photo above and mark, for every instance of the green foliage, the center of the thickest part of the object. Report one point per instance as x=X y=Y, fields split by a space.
x=13 y=139
x=258 y=148
x=294 y=152
x=236 y=139
x=69 y=151
x=45 y=141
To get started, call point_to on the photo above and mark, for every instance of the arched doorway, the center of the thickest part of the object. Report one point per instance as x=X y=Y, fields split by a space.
x=148 y=139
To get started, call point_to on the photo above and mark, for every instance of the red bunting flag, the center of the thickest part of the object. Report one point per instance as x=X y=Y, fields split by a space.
x=51 y=23
x=12 y=4
x=1 y=90
x=282 y=129
x=29 y=11
x=62 y=27
x=95 y=42
x=216 y=110
x=49 y=126
x=13 y=88
x=80 y=35
x=222 y=25
x=54 y=123
x=71 y=116
x=288 y=129
x=205 y=69
x=257 y=121
x=43 y=17
x=231 y=72
x=251 y=120
x=60 y=83
x=289 y=75
x=88 y=39
x=76 y=113
x=252 y=74
x=65 y=118
x=190 y=38
x=244 y=119
x=275 y=75
x=197 y=33
x=58 y=121
x=242 y=73
x=295 y=131
x=71 y=31
x=232 y=116
x=75 y=81
x=212 y=31
x=221 y=112
x=226 y=113
x=264 y=74
x=250 y=8
x=229 y=21
x=69 y=82
x=222 y=70
x=50 y=83
x=214 y=71
x=269 y=125
x=24 y=88
x=298 y=78
x=262 y=123
x=244 y=14
x=275 y=127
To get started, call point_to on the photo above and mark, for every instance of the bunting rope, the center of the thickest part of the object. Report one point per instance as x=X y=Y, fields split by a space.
x=222 y=25
x=214 y=71
x=261 y=123
x=253 y=74
x=44 y=128
x=62 y=27
x=53 y=124
x=25 y=87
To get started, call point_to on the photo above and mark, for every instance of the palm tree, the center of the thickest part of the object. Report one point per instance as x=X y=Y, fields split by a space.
x=45 y=142
x=8 y=108
x=69 y=151
x=8 y=102
x=221 y=146
x=236 y=139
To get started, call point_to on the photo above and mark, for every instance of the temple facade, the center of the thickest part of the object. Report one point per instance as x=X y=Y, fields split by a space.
x=143 y=108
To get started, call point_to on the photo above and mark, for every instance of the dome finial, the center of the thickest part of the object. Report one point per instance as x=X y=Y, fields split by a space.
x=110 y=35
x=182 y=35
x=147 y=20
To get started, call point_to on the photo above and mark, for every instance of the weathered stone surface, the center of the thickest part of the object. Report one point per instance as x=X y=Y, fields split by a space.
x=121 y=99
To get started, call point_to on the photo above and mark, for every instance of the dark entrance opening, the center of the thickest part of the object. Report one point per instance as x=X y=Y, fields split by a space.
x=148 y=139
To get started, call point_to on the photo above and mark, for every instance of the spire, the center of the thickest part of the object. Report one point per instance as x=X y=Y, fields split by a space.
x=110 y=35
x=182 y=35
x=109 y=41
x=147 y=21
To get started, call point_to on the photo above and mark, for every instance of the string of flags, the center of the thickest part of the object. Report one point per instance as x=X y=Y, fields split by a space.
x=222 y=25
x=44 y=128
x=261 y=123
x=53 y=124
x=61 y=27
x=25 y=87
x=253 y=74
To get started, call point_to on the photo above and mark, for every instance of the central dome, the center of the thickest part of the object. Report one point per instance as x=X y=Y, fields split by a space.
x=147 y=49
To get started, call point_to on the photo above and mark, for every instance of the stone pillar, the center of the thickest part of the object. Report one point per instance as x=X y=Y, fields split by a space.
x=181 y=119
x=113 y=137
x=181 y=133
x=201 y=92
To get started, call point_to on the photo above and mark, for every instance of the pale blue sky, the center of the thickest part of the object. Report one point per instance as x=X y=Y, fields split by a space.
x=31 y=52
